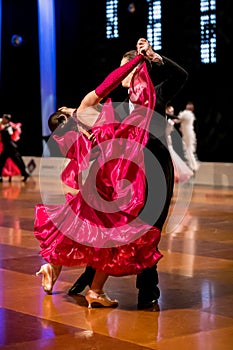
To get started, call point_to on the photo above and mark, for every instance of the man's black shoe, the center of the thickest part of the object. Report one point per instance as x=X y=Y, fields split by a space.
x=83 y=281
x=78 y=287
x=26 y=176
x=148 y=299
x=153 y=305
x=1 y=180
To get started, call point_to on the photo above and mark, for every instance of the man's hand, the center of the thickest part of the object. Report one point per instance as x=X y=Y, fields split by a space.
x=144 y=48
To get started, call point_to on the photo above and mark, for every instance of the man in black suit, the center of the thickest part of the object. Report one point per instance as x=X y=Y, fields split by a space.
x=159 y=169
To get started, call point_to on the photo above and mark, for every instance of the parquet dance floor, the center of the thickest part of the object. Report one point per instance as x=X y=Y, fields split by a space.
x=196 y=280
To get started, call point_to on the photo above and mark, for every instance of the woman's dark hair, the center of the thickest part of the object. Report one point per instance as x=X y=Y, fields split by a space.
x=62 y=122
x=57 y=119
x=129 y=55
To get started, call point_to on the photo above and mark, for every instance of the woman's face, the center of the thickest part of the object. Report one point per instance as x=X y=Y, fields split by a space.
x=126 y=82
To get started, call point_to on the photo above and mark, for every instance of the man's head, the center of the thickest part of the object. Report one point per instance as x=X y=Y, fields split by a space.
x=128 y=56
x=169 y=110
x=189 y=106
x=6 y=118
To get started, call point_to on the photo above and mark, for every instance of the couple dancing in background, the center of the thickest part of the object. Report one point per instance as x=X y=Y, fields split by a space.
x=113 y=224
x=11 y=161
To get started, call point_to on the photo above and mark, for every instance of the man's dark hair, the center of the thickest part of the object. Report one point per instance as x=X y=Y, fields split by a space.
x=132 y=53
x=7 y=116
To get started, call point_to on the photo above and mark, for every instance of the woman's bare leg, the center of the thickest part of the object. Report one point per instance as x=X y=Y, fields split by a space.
x=96 y=294
x=98 y=281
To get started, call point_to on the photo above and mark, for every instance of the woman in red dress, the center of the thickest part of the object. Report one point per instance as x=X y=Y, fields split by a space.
x=100 y=225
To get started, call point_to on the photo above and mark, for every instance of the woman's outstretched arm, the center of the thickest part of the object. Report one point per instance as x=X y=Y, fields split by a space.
x=109 y=84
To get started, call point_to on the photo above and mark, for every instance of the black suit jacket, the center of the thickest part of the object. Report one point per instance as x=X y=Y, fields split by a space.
x=159 y=170
x=7 y=141
x=174 y=79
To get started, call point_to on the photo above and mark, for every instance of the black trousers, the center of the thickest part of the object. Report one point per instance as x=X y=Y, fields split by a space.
x=160 y=182
x=14 y=154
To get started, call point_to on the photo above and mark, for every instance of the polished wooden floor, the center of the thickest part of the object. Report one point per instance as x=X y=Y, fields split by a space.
x=196 y=280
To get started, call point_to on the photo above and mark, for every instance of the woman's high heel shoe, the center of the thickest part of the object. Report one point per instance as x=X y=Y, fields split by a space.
x=99 y=299
x=49 y=274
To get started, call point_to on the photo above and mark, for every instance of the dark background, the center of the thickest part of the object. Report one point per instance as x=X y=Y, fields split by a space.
x=85 y=57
